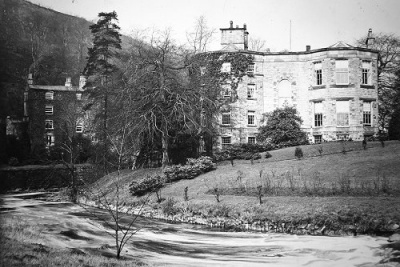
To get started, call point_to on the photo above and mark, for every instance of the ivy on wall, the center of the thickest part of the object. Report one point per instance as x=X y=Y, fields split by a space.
x=206 y=76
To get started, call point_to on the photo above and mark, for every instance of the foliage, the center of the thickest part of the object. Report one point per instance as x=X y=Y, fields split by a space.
x=146 y=185
x=268 y=155
x=298 y=153
x=192 y=169
x=169 y=207
x=100 y=70
x=282 y=127
x=243 y=151
x=394 y=124
x=388 y=46
x=205 y=73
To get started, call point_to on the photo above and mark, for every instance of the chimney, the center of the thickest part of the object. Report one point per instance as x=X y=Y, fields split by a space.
x=82 y=82
x=231 y=24
x=68 y=82
x=30 y=79
x=308 y=48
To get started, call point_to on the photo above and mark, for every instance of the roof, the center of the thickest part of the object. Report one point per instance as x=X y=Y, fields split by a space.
x=56 y=88
x=341 y=44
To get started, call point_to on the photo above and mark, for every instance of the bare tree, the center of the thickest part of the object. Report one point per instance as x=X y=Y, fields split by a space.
x=201 y=36
x=37 y=28
x=257 y=44
x=163 y=103
x=388 y=46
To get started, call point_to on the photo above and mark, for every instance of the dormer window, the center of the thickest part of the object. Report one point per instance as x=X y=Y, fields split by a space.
x=49 y=95
x=226 y=67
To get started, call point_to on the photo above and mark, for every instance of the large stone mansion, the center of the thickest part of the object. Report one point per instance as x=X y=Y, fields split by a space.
x=334 y=89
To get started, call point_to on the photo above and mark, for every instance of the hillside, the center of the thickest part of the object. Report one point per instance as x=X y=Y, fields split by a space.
x=366 y=196
x=38 y=40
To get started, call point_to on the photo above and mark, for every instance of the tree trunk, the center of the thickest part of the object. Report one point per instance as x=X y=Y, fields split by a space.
x=165 y=143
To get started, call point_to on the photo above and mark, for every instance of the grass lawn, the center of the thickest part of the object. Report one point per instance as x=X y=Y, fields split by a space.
x=375 y=172
x=21 y=245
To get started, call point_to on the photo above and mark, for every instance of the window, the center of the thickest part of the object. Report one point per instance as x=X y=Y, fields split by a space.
x=251 y=89
x=250 y=69
x=49 y=139
x=78 y=96
x=49 y=95
x=79 y=127
x=342 y=71
x=367 y=113
x=284 y=93
x=251 y=140
x=318 y=114
x=48 y=109
x=226 y=118
x=251 y=118
x=226 y=67
x=203 y=71
x=317 y=139
x=366 y=72
x=48 y=124
x=226 y=90
x=318 y=73
x=342 y=112
x=226 y=141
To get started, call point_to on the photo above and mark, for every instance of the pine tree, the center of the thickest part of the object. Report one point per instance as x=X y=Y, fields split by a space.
x=101 y=68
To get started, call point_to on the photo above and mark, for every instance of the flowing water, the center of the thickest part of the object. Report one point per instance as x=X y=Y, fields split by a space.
x=161 y=243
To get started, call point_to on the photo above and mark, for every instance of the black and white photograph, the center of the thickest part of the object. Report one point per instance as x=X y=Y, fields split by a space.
x=200 y=133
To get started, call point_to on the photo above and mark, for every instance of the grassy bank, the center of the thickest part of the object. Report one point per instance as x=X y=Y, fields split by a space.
x=21 y=244
x=336 y=186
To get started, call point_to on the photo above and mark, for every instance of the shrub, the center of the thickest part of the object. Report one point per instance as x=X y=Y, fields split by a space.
x=146 y=185
x=192 y=169
x=13 y=161
x=169 y=207
x=298 y=153
x=243 y=151
x=268 y=155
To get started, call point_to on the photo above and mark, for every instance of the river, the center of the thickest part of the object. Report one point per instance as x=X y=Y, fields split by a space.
x=164 y=244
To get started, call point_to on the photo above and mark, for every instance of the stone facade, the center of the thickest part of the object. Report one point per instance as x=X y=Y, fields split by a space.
x=334 y=89
x=54 y=112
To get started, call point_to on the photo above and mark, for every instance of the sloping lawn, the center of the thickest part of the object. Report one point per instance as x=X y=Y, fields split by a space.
x=369 y=170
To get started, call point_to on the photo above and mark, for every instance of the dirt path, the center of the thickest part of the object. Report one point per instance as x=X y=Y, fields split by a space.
x=159 y=243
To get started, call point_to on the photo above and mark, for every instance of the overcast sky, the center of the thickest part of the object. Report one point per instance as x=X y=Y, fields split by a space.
x=319 y=23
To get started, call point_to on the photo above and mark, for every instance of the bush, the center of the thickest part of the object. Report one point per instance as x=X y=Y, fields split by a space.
x=146 y=185
x=298 y=153
x=283 y=128
x=268 y=155
x=169 y=207
x=243 y=151
x=192 y=169
x=13 y=161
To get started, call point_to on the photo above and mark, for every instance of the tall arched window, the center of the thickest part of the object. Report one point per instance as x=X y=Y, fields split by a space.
x=284 y=93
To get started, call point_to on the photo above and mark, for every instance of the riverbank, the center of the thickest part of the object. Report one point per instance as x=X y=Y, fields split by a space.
x=45 y=233
x=365 y=200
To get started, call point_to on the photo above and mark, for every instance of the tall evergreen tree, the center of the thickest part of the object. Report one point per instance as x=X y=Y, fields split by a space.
x=101 y=69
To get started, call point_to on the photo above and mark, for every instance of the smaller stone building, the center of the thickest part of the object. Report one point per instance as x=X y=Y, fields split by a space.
x=54 y=112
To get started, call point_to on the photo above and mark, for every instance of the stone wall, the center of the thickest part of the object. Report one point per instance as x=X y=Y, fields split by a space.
x=43 y=176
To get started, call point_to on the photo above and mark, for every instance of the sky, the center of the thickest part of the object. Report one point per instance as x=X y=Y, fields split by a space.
x=283 y=24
